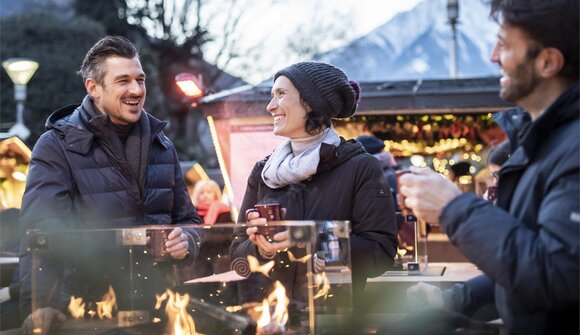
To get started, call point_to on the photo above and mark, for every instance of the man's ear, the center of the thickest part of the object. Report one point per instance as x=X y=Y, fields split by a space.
x=550 y=62
x=91 y=87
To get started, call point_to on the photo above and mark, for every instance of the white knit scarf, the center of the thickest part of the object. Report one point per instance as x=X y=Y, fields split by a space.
x=284 y=167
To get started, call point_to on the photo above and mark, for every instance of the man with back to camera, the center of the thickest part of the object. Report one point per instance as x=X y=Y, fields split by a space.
x=103 y=164
x=527 y=246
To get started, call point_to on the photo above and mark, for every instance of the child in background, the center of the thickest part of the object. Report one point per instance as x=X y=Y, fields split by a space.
x=206 y=197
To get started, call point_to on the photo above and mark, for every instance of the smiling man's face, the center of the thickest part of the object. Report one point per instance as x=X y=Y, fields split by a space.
x=122 y=93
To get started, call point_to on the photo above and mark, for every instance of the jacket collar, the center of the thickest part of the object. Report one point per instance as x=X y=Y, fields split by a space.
x=331 y=156
x=524 y=132
x=79 y=125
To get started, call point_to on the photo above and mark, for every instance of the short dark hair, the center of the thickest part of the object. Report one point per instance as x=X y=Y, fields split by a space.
x=551 y=23
x=108 y=46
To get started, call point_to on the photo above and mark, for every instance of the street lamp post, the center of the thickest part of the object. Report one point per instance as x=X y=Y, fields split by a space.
x=20 y=70
x=453 y=15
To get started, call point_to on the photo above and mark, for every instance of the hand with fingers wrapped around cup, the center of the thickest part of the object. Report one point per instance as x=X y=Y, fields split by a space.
x=177 y=244
x=268 y=239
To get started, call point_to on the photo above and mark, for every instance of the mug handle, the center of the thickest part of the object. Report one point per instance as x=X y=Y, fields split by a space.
x=250 y=210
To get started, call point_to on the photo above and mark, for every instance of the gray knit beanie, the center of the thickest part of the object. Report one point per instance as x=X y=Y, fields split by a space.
x=325 y=88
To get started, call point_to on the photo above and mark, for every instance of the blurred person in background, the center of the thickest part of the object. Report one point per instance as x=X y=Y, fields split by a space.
x=527 y=244
x=375 y=147
x=206 y=197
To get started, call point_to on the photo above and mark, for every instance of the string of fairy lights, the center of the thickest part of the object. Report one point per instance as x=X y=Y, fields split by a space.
x=436 y=140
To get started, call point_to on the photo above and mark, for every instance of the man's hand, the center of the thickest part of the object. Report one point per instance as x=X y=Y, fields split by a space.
x=177 y=244
x=426 y=193
x=42 y=321
x=425 y=296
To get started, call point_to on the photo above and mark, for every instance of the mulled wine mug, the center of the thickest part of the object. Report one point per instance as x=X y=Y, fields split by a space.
x=156 y=243
x=270 y=211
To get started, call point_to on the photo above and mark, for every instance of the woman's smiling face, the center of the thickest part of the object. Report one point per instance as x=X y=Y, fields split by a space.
x=288 y=110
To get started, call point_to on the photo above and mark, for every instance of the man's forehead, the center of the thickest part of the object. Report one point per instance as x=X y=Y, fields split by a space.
x=121 y=66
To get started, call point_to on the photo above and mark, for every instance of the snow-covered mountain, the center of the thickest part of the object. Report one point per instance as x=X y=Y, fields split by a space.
x=415 y=44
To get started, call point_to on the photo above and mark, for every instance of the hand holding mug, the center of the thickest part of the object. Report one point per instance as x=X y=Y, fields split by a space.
x=268 y=238
x=177 y=244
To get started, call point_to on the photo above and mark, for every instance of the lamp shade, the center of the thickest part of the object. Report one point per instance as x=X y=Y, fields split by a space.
x=20 y=70
x=189 y=85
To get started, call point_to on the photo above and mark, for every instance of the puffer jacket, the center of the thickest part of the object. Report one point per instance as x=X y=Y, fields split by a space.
x=77 y=180
x=528 y=245
x=348 y=185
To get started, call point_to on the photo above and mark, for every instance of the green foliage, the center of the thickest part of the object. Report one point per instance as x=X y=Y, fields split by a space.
x=59 y=46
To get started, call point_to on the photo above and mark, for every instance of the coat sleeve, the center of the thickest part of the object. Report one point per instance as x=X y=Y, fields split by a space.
x=374 y=228
x=469 y=297
x=241 y=245
x=46 y=205
x=541 y=265
x=184 y=213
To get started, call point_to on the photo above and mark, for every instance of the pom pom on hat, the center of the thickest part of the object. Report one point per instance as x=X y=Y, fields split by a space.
x=325 y=88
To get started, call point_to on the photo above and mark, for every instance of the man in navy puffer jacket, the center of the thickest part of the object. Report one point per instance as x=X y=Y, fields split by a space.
x=527 y=246
x=103 y=164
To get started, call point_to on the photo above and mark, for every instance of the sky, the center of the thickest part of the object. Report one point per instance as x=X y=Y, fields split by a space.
x=268 y=25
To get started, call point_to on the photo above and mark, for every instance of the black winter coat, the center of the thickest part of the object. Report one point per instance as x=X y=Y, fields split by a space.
x=529 y=244
x=349 y=185
x=77 y=180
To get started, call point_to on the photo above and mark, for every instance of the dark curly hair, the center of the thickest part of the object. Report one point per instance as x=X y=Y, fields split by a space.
x=551 y=23
x=316 y=121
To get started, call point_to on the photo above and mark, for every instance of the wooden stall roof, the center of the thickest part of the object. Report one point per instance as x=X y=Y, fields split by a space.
x=433 y=96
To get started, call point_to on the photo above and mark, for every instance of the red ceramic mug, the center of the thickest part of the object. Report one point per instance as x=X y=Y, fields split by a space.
x=156 y=243
x=270 y=211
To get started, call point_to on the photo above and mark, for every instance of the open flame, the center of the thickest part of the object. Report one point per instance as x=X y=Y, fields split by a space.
x=105 y=308
x=293 y=258
x=322 y=284
x=256 y=267
x=274 y=322
x=179 y=321
x=76 y=307
x=108 y=305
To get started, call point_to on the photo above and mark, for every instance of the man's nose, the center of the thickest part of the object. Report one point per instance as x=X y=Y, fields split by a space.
x=136 y=88
x=494 y=57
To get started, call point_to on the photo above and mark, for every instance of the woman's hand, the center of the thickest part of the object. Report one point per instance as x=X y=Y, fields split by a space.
x=279 y=241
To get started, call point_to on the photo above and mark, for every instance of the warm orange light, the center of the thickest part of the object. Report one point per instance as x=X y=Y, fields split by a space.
x=180 y=322
x=189 y=85
x=76 y=307
x=274 y=323
x=108 y=305
x=255 y=265
x=322 y=284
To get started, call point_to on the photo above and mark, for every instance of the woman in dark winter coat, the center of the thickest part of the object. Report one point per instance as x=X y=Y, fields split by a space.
x=317 y=175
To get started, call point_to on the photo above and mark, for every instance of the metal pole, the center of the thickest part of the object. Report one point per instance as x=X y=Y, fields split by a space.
x=453 y=55
x=453 y=17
